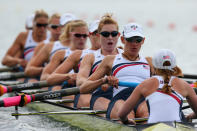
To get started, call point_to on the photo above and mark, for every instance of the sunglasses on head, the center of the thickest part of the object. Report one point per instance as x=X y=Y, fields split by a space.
x=81 y=35
x=107 y=34
x=41 y=25
x=136 y=39
x=94 y=33
x=54 y=26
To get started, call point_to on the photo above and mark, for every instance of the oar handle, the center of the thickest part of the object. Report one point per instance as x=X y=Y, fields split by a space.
x=128 y=84
x=15 y=68
x=12 y=76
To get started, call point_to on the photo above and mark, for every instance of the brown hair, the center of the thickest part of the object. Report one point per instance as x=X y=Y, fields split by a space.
x=56 y=15
x=40 y=13
x=107 y=19
x=69 y=27
x=167 y=75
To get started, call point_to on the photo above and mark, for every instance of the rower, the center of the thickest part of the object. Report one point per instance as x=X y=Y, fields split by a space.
x=62 y=73
x=41 y=56
x=22 y=49
x=76 y=32
x=163 y=92
x=108 y=36
x=127 y=66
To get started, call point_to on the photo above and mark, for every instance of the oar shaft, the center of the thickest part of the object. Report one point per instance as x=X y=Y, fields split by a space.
x=87 y=112
x=25 y=99
x=25 y=86
x=189 y=76
x=12 y=76
x=7 y=69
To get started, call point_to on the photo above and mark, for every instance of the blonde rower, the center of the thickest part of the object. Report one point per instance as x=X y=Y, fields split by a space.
x=43 y=56
x=62 y=73
x=108 y=34
x=76 y=32
x=22 y=49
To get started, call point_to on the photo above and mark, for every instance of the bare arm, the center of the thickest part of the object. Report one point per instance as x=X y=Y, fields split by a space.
x=62 y=72
x=56 y=60
x=85 y=69
x=97 y=78
x=35 y=66
x=15 y=52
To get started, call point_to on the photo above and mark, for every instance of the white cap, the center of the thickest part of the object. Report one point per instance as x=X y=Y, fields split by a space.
x=65 y=18
x=162 y=56
x=132 y=29
x=93 y=26
x=29 y=21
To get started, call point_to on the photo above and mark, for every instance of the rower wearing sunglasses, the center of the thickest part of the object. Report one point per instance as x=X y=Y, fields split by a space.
x=45 y=50
x=62 y=74
x=76 y=32
x=128 y=66
x=22 y=49
x=108 y=35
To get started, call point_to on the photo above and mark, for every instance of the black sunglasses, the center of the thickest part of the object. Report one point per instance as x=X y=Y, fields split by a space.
x=107 y=34
x=41 y=25
x=136 y=39
x=81 y=35
x=54 y=26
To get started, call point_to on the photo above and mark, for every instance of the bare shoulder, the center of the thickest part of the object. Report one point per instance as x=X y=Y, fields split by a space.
x=108 y=61
x=77 y=53
x=148 y=86
x=58 y=56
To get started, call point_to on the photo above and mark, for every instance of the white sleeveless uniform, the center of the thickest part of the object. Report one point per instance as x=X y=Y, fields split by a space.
x=163 y=106
x=46 y=41
x=30 y=44
x=135 y=71
x=98 y=57
x=57 y=46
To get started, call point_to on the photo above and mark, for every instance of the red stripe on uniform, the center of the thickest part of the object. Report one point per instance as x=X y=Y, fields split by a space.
x=123 y=66
x=172 y=95
x=28 y=52
x=94 y=69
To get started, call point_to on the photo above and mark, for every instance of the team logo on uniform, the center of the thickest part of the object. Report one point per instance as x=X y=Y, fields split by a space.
x=134 y=27
x=145 y=67
x=166 y=57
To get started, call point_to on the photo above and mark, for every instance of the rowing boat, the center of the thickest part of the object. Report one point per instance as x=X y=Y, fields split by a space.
x=93 y=122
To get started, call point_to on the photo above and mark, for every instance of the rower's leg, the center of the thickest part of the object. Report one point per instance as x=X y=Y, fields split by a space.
x=84 y=100
x=117 y=106
x=142 y=110
x=101 y=104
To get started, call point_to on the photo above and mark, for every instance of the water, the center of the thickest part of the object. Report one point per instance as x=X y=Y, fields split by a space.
x=167 y=24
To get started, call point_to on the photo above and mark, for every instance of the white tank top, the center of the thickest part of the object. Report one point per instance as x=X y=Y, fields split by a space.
x=57 y=46
x=162 y=106
x=30 y=44
x=129 y=71
x=98 y=57
x=46 y=41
